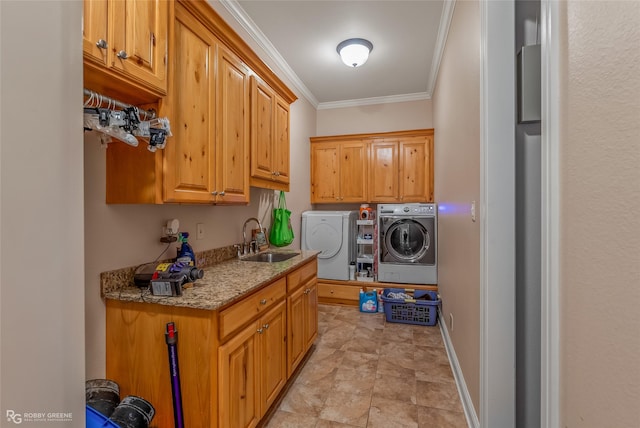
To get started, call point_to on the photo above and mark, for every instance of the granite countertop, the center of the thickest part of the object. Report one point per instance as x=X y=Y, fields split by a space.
x=223 y=283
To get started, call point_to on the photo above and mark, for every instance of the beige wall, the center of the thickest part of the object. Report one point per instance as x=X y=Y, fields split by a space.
x=599 y=205
x=375 y=118
x=41 y=240
x=456 y=119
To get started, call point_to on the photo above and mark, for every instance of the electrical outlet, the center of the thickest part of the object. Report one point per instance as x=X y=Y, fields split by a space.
x=199 y=231
x=451 y=322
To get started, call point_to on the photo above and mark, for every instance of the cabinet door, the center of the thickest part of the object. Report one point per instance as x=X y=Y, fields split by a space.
x=311 y=313
x=232 y=143
x=273 y=351
x=189 y=155
x=383 y=171
x=238 y=387
x=262 y=121
x=325 y=173
x=414 y=170
x=296 y=328
x=139 y=39
x=281 y=142
x=94 y=31
x=353 y=172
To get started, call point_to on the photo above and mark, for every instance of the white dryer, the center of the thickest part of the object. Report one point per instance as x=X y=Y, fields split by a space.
x=333 y=233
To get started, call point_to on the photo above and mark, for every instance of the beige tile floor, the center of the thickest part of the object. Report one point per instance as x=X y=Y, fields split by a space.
x=368 y=373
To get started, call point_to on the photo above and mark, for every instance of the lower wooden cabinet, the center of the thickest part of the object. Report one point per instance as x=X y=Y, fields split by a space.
x=303 y=322
x=234 y=362
x=348 y=292
x=253 y=370
x=238 y=384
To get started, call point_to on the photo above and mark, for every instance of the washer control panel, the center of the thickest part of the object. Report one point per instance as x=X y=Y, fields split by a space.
x=408 y=209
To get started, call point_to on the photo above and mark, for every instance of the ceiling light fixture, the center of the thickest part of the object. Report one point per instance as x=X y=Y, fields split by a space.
x=354 y=52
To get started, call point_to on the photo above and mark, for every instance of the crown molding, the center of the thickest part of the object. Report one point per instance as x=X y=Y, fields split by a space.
x=375 y=100
x=265 y=44
x=443 y=32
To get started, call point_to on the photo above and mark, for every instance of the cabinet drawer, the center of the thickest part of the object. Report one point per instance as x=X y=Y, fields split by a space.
x=342 y=292
x=301 y=275
x=234 y=317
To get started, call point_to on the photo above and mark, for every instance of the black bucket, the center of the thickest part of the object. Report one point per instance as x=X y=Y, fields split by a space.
x=103 y=395
x=133 y=412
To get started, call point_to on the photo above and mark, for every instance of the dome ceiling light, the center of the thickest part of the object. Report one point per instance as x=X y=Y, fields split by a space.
x=354 y=52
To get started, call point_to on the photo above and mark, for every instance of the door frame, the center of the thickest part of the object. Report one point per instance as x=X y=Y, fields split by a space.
x=550 y=218
x=497 y=279
x=497 y=215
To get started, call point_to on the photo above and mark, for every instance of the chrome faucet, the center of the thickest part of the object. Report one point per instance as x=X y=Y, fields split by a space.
x=247 y=246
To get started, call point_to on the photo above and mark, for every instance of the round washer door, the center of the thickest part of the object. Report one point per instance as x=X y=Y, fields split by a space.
x=325 y=237
x=407 y=240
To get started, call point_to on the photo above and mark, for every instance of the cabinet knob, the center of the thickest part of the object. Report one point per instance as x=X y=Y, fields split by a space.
x=307 y=291
x=266 y=326
x=263 y=301
x=221 y=193
x=259 y=331
x=102 y=44
x=277 y=173
x=123 y=55
x=214 y=193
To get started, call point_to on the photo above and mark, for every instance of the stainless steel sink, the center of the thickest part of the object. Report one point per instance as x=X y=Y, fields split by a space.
x=269 y=257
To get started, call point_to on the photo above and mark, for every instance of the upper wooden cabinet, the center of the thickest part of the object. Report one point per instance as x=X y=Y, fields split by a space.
x=338 y=170
x=189 y=156
x=207 y=159
x=125 y=45
x=232 y=136
x=400 y=170
x=384 y=167
x=269 y=137
x=208 y=102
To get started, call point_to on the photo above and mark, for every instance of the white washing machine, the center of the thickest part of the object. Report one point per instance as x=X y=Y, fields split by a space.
x=407 y=243
x=333 y=233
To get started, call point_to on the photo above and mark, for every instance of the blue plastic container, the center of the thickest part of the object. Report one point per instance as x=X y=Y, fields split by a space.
x=368 y=301
x=96 y=419
x=416 y=311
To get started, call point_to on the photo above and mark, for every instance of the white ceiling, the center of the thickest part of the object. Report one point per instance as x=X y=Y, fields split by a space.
x=301 y=37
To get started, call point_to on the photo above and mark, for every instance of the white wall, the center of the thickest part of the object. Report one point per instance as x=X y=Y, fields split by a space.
x=599 y=201
x=388 y=117
x=456 y=119
x=42 y=367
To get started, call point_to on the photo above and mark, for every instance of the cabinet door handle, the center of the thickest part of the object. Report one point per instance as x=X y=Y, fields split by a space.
x=266 y=326
x=263 y=301
x=221 y=193
x=259 y=331
x=277 y=173
x=214 y=193
x=102 y=44
x=308 y=290
x=123 y=55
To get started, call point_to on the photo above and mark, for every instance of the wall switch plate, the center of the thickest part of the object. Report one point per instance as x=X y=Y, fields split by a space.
x=199 y=231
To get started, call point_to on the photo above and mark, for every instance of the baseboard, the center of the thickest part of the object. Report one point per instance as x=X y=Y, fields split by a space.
x=467 y=404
